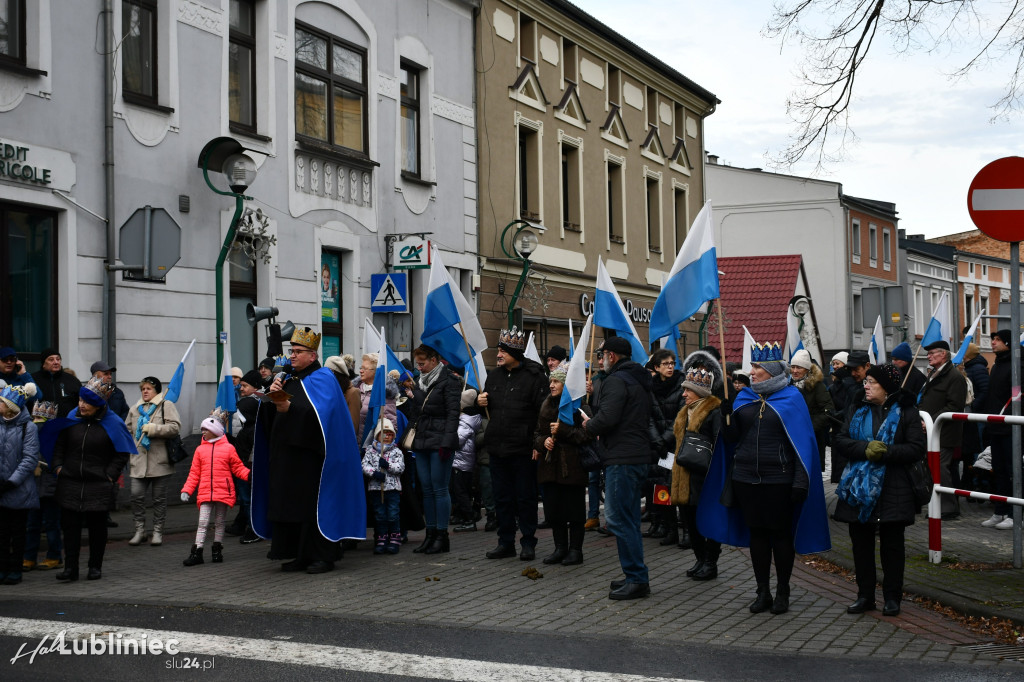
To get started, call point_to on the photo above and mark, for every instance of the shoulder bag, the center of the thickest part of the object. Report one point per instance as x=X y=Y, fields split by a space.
x=695 y=453
x=921 y=482
x=175 y=447
x=590 y=458
x=410 y=433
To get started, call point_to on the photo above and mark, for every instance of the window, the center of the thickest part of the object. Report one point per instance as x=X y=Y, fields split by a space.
x=886 y=248
x=28 y=267
x=653 y=215
x=242 y=65
x=984 y=270
x=12 y=32
x=139 y=50
x=570 y=61
x=330 y=90
x=571 y=203
x=920 y=315
x=872 y=242
x=858 y=312
x=527 y=38
x=855 y=241
x=983 y=310
x=652 y=107
x=410 y=93
x=616 y=233
x=969 y=313
x=970 y=269
x=614 y=85
x=681 y=222
x=528 y=162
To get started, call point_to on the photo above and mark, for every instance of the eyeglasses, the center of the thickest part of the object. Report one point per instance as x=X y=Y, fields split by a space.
x=668 y=363
x=294 y=351
x=870 y=382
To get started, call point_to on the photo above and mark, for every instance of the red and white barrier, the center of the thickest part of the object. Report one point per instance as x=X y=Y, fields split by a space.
x=935 y=504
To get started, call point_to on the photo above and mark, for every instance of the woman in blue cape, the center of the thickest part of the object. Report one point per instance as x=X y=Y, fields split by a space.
x=764 y=488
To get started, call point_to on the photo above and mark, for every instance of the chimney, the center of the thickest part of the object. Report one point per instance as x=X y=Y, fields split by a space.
x=712 y=159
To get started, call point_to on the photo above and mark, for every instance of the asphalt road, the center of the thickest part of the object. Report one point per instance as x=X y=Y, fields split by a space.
x=264 y=646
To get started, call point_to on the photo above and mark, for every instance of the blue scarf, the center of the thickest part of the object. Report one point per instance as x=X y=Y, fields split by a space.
x=861 y=484
x=141 y=438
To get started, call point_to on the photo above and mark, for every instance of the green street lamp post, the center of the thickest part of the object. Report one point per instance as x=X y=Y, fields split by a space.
x=227 y=155
x=522 y=243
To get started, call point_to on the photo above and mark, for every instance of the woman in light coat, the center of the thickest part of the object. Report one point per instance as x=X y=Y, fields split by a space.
x=152 y=421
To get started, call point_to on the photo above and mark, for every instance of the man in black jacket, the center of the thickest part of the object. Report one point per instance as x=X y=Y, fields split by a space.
x=245 y=417
x=1000 y=437
x=945 y=391
x=513 y=393
x=620 y=421
x=56 y=385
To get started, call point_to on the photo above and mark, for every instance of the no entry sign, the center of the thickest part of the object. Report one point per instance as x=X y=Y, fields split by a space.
x=996 y=199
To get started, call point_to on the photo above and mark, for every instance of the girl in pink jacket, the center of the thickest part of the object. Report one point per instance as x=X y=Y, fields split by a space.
x=210 y=478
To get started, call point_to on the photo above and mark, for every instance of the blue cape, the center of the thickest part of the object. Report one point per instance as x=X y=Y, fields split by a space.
x=810 y=519
x=341 y=502
x=111 y=423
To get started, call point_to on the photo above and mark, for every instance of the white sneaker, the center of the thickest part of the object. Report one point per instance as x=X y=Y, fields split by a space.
x=1005 y=524
x=993 y=520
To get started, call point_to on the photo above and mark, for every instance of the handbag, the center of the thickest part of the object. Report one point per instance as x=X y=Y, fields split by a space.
x=410 y=433
x=921 y=482
x=590 y=458
x=695 y=453
x=176 y=451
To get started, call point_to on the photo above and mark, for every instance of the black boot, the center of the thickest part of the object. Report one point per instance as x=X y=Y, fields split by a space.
x=708 y=570
x=655 y=529
x=217 y=553
x=428 y=539
x=492 y=523
x=684 y=539
x=195 y=558
x=781 y=603
x=763 y=602
x=692 y=570
x=69 y=574
x=575 y=554
x=440 y=543
x=672 y=534
x=558 y=556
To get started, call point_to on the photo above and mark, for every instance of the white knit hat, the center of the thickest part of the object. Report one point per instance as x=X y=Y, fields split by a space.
x=801 y=358
x=842 y=356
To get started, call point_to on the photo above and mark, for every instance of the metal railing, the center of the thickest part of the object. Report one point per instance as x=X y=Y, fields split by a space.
x=932 y=429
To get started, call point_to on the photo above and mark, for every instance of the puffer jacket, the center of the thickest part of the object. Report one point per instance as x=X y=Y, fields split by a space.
x=436 y=414
x=166 y=425
x=666 y=401
x=87 y=466
x=622 y=419
x=561 y=465
x=19 y=453
x=819 y=402
x=213 y=466
x=977 y=372
x=896 y=502
x=465 y=458
x=514 y=399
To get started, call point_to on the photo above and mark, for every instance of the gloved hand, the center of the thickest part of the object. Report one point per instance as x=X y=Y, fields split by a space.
x=875 y=450
x=383 y=462
x=6 y=485
x=726 y=408
x=378 y=476
x=798 y=495
x=146 y=428
x=184 y=497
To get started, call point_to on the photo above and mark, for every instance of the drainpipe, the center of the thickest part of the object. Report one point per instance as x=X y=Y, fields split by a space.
x=108 y=346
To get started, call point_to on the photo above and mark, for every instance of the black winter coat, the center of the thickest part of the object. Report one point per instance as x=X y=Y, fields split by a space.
x=977 y=372
x=248 y=407
x=842 y=389
x=896 y=501
x=89 y=467
x=61 y=388
x=622 y=418
x=436 y=415
x=513 y=400
x=561 y=465
x=666 y=401
x=999 y=392
x=946 y=391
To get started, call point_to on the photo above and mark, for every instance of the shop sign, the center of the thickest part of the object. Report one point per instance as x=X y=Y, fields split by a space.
x=35 y=166
x=638 y=314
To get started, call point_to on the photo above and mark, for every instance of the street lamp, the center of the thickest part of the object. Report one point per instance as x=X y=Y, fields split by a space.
x=521 y=244
x=226 y=154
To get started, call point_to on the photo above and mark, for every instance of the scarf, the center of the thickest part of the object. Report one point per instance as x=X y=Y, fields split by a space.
x=861 y=484
x=430 y=377
x=144 y=416
x=770 y=386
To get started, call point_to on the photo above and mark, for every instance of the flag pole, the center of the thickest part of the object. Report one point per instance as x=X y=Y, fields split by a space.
x=472 y=363
x=721 y=345
x=911 y=369
x=380 y=423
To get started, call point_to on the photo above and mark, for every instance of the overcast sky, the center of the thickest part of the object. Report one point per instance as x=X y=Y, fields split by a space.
x=921 y=137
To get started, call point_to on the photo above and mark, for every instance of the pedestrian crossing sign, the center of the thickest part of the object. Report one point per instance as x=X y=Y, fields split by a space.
x=389 y=292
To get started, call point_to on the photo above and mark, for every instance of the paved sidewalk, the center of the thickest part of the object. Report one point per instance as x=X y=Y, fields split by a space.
x=464 y=589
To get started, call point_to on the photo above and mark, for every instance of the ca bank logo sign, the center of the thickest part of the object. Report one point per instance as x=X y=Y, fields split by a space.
x=411 y=253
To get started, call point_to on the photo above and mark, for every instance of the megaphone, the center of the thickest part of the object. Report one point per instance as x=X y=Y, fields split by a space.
x=254 y=314
x=287 y=330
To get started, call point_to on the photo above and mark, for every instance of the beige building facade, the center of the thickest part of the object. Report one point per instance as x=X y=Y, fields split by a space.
x=595 y=143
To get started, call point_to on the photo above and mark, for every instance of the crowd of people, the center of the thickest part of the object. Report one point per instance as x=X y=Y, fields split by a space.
x=314 y=455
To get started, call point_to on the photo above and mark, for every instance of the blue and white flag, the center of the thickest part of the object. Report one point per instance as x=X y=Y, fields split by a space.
x=475 y=372
x=969 y=339
x=576 y=378
x=182 y=389
x=448 y=315
x=876 y=347
x=611 y=314
x=748 y=345
x=793 y=340
x=531 y=350
x=378 y=394
x=371 y=344
x=572 y=339
x=939 y=328
x=671 y=342
x=692 y=281
x=226 y=386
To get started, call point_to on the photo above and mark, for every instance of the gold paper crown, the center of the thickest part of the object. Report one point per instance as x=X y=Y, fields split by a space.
x=304 y=336
x=513 y=338
x=698 y=377
x=100 y=386
x=220 y=415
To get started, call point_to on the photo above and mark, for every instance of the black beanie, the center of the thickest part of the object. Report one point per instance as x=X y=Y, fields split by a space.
x=557 y=352
x=253 y=378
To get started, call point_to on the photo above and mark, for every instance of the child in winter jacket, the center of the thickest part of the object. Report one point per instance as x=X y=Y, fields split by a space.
x=383 y=464
x=210 y=478
x=463 y=464
x=19 y=453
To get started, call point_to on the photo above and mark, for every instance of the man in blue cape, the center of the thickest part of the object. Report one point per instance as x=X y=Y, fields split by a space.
x=307 y=481
x=721 y=516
